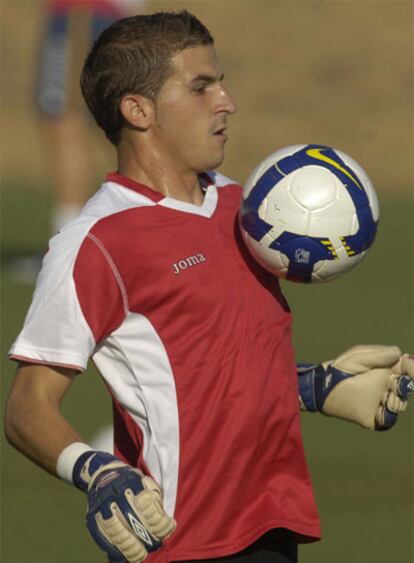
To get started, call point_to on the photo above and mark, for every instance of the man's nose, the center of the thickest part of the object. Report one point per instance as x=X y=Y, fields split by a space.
x=227 y=102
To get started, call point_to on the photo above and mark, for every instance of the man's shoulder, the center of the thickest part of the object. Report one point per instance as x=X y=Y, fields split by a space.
x=100 y=216
x=113 y=198
x=103 y=208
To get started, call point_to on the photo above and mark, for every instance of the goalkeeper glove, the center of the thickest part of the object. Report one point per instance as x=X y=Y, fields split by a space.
x=368 y=385
x=125 y=516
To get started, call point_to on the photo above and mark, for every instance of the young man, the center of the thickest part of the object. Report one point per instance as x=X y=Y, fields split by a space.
x=152 y=281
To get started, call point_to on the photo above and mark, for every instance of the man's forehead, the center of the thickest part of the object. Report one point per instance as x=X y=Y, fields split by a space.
x=193 y=61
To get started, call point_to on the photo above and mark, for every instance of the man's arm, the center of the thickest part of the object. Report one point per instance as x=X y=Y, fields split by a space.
x=34 y=424
x=125 y=514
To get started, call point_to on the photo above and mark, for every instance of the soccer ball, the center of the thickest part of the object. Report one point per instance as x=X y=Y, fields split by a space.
x=309 y=213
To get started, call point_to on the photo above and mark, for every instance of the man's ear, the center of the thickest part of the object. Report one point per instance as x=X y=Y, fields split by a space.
x=137 y=110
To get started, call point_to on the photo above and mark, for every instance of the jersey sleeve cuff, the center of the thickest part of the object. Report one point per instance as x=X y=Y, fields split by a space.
x=30 y=360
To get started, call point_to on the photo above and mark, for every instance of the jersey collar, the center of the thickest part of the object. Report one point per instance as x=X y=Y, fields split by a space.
x=148 y=192
x=206 y=209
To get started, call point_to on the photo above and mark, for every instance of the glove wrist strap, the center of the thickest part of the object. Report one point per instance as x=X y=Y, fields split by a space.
x=78 y=462
x=315 y=384
x=310 y=383
x=86 y=466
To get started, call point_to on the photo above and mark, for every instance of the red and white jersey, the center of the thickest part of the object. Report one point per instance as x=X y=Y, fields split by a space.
x=193 y=339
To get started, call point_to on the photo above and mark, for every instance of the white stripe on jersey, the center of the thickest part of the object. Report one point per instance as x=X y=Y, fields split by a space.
x=135 y=364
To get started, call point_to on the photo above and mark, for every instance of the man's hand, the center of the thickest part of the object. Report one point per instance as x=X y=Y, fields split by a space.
x=395 y=400
x=368 y=385
x=125 y=515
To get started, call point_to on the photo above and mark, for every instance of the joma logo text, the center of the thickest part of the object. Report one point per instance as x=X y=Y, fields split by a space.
x=185 y=263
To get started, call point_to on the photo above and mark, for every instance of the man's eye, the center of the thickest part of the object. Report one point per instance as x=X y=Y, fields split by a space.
x=200 y=89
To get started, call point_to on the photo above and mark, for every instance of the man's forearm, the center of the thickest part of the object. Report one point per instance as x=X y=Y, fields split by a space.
x=33 y=423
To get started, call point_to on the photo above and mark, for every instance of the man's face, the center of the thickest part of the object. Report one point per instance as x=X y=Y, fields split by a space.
x=191 y=111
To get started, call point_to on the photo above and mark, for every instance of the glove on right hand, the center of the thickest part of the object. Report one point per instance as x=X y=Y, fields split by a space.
x=125 y=515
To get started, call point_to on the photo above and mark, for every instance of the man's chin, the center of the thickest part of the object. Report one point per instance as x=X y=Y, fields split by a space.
x=214 y=163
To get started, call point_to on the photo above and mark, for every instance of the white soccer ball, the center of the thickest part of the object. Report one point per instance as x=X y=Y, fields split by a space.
x=309 y=213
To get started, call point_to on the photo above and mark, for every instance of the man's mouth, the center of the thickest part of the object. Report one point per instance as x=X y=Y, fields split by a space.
x=221 y=131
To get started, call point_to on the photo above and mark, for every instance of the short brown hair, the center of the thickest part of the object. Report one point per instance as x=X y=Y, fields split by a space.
x=133 y=55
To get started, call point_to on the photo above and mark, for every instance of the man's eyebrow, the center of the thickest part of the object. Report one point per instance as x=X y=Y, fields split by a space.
x=207 y=78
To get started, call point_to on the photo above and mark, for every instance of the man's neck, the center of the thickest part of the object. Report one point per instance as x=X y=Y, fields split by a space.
x=167 y=180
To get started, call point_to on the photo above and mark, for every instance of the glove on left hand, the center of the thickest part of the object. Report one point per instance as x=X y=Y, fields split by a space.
x=368 y=385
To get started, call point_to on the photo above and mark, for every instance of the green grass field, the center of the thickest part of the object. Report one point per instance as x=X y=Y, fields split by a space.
x=363 y=480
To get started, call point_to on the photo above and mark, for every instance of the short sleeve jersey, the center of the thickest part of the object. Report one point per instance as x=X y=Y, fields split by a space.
x=193 y=339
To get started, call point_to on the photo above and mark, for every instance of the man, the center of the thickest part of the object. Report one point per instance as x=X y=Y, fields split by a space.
x=152 y=281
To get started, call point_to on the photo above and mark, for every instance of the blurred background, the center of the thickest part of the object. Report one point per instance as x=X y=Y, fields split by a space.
x=332 y=72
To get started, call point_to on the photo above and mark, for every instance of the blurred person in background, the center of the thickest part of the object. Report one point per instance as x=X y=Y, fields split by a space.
x=70 y=28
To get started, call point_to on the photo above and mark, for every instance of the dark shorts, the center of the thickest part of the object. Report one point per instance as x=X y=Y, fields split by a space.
x=277 y=546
